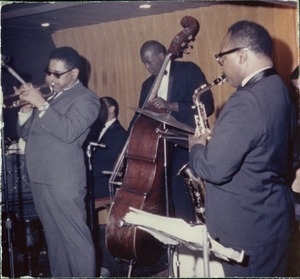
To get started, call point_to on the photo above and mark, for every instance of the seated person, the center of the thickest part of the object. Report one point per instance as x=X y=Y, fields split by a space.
x=113 y=136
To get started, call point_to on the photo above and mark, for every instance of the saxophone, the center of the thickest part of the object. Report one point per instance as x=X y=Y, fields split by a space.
x=195 y=183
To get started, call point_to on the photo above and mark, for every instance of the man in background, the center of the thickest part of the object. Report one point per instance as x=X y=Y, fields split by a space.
x=112 y=136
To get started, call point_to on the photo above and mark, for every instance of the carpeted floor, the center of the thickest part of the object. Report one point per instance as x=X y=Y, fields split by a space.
x=37 y=264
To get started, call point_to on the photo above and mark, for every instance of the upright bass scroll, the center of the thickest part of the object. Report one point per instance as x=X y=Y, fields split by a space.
x=176 y=49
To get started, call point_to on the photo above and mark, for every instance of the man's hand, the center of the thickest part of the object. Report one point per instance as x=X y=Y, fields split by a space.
x=30 y=95
x=160 y=103
x=203 y=139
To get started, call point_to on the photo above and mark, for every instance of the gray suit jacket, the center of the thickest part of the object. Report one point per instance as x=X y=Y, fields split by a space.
x=54 y=152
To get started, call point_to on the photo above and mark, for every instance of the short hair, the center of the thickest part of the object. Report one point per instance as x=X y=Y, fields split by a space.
x=252 y=35
x=111 y=102
x=68 y=55
x=154 y=45
x=295 y=73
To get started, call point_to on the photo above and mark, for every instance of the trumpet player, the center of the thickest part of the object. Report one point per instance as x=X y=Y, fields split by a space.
x=54 y=130
x=248 y=203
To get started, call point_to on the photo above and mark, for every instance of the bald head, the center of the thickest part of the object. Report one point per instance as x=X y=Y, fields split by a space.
x=153 y=54
x=246 y=48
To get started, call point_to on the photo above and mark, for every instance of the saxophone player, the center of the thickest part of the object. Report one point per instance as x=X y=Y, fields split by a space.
x=248 y=205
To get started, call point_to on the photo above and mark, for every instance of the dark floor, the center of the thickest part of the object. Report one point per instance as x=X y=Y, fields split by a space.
x=39 y=266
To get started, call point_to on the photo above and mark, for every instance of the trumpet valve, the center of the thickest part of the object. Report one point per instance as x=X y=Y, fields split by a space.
x=10 y=101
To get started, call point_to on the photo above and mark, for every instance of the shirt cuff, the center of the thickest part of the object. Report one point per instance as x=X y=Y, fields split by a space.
x=43 y=108
x=24 y=116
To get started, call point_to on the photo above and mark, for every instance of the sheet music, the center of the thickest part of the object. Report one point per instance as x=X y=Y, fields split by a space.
x=173 y=226
x=174 y=231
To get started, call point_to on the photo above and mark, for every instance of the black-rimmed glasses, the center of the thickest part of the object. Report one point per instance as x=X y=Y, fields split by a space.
x=220 y=56
x=56 y=75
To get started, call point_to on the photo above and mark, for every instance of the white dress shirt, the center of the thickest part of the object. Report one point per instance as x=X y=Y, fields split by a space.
x=163 y=88
x=106 y=126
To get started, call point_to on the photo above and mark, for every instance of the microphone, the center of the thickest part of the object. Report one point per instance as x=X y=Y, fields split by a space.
x=5 y=58
x=97 y=144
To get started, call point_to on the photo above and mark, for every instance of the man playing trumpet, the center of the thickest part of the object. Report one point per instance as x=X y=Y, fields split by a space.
x=54 y=130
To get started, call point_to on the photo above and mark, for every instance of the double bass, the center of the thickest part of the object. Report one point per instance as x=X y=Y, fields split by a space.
x=143 y=184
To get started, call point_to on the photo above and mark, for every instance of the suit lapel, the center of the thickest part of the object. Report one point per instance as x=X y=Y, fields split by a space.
x=108 y=130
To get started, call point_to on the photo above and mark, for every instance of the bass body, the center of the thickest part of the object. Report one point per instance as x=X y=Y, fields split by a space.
x=142 y=188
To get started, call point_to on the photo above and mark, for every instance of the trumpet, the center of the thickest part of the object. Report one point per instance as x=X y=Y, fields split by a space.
x=10 y=101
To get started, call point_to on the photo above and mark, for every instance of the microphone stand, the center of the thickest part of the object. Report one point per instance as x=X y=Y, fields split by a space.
x=91 y=202
x=91 y=217
x=12 y=72
x=169 y=249
x=8 y=221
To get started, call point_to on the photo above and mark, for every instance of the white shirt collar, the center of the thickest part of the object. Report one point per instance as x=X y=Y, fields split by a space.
x=253 y=74
x=110 y=122
x=55 y=95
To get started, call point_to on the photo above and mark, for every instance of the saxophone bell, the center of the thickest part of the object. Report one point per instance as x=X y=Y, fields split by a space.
x=197 y=190
x=192 y=179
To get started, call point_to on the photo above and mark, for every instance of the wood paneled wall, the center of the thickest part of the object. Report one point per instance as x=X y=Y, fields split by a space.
x=112 y=49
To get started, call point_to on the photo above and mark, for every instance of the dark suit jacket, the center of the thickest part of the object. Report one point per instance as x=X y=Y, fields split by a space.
x=184 y=79
x=244 y=164
x=104 y=158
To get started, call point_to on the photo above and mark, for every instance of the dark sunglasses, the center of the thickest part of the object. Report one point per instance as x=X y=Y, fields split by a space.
x=56 y=75
x=219 y=57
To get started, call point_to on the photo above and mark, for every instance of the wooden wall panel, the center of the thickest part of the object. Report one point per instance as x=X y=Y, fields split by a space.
x=113 y=48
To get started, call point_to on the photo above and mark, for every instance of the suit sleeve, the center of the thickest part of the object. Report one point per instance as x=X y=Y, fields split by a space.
x=69 y=126
x=234 y=136
x=23 y=130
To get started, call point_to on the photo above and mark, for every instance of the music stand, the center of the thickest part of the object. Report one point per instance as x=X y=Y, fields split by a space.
x=175 y=231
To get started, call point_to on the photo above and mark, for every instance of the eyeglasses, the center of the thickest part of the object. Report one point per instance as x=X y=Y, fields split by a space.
x=220 y=56
x=56 y=75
